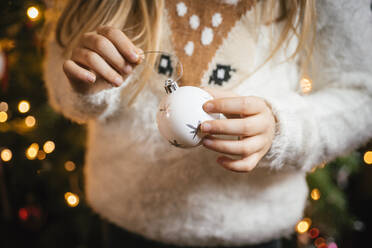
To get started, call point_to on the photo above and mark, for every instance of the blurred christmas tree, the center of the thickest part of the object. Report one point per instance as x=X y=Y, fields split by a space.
x=41 y=196
x=41 y=152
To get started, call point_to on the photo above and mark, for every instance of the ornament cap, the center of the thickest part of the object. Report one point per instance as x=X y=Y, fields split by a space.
x=170 y=86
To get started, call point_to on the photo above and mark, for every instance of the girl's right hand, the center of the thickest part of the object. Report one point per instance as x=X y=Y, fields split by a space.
x=107 y=53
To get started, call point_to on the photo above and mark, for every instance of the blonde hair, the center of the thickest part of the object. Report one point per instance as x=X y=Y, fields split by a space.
x=141 y=21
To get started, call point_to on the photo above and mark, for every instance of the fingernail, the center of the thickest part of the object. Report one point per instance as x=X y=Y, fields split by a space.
x=134 y=56
x=91 y=77
x=205 y=127
x=139 y=51
x=208 y=106
x=128 y=69
x=118 y=81
x=220 y=160
x=207 y=142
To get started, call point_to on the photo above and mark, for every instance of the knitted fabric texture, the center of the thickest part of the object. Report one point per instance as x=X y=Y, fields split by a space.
x=198 y=30
x=137 y=180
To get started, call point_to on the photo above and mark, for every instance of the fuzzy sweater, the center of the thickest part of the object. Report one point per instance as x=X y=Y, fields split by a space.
x=135 y=179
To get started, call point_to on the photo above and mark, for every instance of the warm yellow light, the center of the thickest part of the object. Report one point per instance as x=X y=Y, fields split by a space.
x=322 y=165
x=30 y=121
x=6 y=155
x=306 y=85
x=303 y=225
x=368 y=157
x=70 y=166
x=49 y=147
x=3 y=116
x=315 y=194
x=41 y=155
x=33 y=13
x=3 y=106
x=72 y=199
x=32 y=151
x=24 y=106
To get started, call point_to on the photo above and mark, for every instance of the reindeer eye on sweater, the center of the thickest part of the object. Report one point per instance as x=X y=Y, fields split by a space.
x=198 y=31
x=221 y=74
x=165 y=65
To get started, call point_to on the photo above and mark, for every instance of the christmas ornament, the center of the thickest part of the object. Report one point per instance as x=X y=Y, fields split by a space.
x=32 y=217
x=181 y=113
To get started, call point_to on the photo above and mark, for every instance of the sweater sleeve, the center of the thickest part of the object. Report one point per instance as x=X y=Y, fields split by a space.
x=337 y=116
x=79 y=107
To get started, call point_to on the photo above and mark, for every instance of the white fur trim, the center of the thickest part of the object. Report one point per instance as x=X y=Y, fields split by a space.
x=194 y=22
x=181 y=9
x=216 y=20
x=189 y=48
x=207 y=36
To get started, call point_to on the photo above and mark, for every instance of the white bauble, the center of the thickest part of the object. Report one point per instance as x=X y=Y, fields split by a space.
x=180 y=114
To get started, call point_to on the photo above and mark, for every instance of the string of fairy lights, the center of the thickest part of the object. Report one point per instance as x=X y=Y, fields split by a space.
x=29 y=122
x=40 y=152
x=304 y=226
x=34 y=150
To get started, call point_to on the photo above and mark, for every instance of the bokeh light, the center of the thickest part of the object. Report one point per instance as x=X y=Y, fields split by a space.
x=306 y=85
x=30 y=121
x=6 y=155
x=319 y=241
x=49 y=146
x=41 y=155
x=24 y=106
x=32 y=151
x=368 y=157
x=303 y=225
x=3 y=116
x=315 y=194
x=314 y=233
x=71 y=199
x=332 y=245
x=23 y=214
x=3 y=106
x=33 y=13
x=70 y=166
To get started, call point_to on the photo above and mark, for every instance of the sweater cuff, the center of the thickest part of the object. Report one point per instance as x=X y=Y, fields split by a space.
x=286 y=127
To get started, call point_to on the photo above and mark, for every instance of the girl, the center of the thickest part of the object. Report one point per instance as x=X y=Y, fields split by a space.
x=250 y=55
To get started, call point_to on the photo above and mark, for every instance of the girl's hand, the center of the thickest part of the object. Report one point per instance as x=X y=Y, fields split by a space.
x=249 y=118
x=107 y=53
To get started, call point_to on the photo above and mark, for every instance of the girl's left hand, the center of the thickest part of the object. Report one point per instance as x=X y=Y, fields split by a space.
x=250 y=118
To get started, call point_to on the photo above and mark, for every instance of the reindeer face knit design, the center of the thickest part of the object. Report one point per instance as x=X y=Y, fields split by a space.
x=198 y=30
x=138 y=181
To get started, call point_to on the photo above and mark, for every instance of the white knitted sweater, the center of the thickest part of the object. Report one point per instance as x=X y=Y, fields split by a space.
x=135 y=179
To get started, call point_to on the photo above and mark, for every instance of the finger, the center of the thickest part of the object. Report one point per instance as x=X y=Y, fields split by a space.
x=242 y=147
x=96 y=63
x=77 y=73
x=122 y=43
x=246 y=105
x=217 y=93
x=240 y=165
x=103 y=47
x=248 y=126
